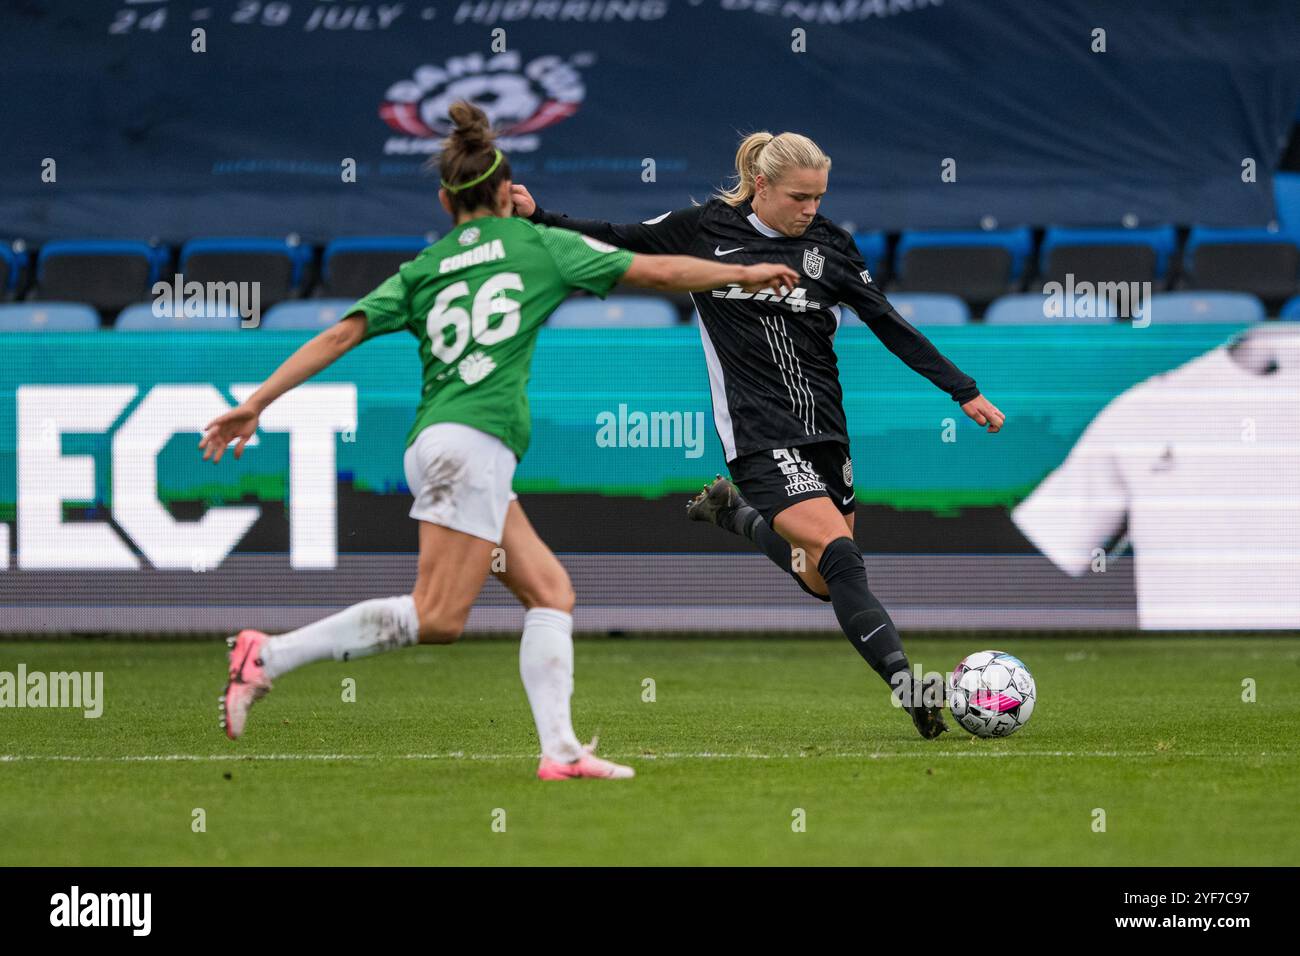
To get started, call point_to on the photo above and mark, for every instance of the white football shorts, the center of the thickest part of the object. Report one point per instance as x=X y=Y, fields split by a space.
x=460 y=478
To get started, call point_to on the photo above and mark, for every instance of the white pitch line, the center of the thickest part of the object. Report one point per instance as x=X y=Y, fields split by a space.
x=702 y=755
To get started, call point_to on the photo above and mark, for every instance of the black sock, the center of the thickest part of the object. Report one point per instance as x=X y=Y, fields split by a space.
x=746 y=521
x=864 y=620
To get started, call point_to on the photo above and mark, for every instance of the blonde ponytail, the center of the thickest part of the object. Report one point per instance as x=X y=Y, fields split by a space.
x=771 y=156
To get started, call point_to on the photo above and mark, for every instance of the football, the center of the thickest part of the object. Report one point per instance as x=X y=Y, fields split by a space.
x=992 y=694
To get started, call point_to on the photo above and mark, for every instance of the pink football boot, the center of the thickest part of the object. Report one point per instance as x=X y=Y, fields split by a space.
x=248 y=682
x=588 y=765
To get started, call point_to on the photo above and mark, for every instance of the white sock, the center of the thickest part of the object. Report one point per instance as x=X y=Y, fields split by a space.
x=546 y=666
x=383 y=624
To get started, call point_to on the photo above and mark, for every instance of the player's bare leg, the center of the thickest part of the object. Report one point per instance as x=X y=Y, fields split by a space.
x=452 y=569
x=536 y=577
x=824 y=534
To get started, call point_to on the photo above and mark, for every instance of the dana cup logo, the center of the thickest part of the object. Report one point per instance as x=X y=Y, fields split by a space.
x=518 y=97
x=812 y=263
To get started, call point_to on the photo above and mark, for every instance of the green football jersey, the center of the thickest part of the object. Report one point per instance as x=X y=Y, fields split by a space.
x=475 y=300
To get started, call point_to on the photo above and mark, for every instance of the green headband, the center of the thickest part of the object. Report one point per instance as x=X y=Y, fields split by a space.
x=473 y=182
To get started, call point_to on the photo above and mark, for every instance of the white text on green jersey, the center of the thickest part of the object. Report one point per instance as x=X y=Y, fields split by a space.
x=485 y=252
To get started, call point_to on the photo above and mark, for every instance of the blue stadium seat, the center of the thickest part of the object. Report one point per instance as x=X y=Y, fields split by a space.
x=918 y=308
x=872 y=247
x=1286 y=196
x=978 y=266
x=1030 y=308
x=1186 y=308
x=353 y=265
x=1214 y=235
x=313 y=314
x=628 y=312
x=1095 y=255
x=141 y=318
x=278 y=265
x=1263 y=262
x=930 y=308
x=107 y=274
x=13 y=263
x=48 y=317
x=1291 y=310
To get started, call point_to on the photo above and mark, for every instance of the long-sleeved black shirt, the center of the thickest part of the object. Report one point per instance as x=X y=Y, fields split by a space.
x=771 y=358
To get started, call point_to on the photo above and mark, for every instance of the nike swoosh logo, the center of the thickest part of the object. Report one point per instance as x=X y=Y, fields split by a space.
x=868 y=637
x=845 y=502
x=719 y=251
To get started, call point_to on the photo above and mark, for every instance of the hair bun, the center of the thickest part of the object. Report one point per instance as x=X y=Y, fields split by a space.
x=472 y=128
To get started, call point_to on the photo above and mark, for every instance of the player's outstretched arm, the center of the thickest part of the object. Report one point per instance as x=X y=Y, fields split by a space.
x=688 y=274
x=664 y=235
x=240 y=423
x=920 y=354
x=859 y=291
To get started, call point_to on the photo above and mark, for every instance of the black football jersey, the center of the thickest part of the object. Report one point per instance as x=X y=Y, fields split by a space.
x=771 y=357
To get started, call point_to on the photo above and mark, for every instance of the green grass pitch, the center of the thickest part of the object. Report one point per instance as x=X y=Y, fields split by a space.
x=742 y=734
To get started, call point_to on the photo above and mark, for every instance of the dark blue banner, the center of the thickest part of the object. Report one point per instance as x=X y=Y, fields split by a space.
x=182 y=117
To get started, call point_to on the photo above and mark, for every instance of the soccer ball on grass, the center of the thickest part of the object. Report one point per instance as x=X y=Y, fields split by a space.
x=992 y=694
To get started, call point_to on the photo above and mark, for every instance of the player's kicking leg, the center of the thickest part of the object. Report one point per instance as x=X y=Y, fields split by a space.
x=536 y=577
x=824 y=533
x=815 y=525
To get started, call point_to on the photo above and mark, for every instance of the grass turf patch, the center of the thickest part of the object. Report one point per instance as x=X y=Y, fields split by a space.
x=741 y=735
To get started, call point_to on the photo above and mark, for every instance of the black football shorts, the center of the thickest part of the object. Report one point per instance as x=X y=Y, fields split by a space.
x=773 y=480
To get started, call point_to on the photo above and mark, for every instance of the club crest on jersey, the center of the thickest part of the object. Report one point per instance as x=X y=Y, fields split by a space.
x=476 y=367
x=812 y=263
x=469 y=236
x=848 y=473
